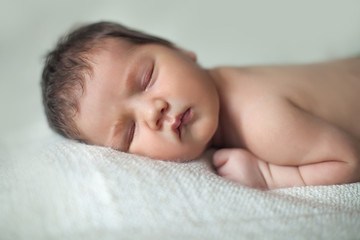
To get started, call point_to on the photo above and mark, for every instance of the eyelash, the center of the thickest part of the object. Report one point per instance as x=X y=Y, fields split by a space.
x=131 y=134
x=147 y=81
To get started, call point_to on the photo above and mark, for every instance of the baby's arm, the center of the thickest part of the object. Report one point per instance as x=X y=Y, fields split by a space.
x=292 y=147
x=242 y=166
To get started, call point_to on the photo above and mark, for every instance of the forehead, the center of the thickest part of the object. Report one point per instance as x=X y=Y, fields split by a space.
x=110 y=48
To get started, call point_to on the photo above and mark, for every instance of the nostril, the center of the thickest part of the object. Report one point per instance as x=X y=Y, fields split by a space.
x=158 y=122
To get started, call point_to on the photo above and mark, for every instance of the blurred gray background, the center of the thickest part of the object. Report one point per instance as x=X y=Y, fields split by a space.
x=221 y=32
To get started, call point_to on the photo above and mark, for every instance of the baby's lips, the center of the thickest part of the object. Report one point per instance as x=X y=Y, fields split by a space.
x=182 y=119
x=177 y=123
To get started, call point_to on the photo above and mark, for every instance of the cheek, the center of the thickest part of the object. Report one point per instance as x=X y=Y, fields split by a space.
x=183 y=77
x=158 y=148
x=204 y=129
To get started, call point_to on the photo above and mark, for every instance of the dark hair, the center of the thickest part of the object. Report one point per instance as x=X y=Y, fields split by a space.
x=63 y=76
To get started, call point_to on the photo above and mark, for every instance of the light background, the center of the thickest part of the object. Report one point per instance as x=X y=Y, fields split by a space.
x=222 y=32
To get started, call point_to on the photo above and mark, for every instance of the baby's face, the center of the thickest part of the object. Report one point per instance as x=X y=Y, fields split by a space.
x=149 y=100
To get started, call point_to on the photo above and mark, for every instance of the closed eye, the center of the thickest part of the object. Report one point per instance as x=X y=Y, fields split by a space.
x=130 y=135
x=147 y=80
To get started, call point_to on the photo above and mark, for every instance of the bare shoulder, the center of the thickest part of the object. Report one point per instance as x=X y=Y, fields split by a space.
x=280 y=132
x=293 y=114
x=267 y=122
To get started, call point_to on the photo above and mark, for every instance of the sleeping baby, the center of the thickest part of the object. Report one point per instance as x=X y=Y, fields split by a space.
x=273 y=126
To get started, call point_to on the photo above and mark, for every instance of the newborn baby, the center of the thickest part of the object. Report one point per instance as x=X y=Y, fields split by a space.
x=273 y=126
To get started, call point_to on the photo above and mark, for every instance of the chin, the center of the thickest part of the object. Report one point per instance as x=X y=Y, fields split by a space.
x=189 y=156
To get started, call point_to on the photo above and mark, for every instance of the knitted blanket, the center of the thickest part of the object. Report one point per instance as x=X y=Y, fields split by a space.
x=75 y=191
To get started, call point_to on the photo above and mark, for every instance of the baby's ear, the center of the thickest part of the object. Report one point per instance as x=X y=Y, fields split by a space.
x=190 y=54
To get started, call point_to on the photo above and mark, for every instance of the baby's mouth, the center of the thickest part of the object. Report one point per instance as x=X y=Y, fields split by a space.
x=181 y=120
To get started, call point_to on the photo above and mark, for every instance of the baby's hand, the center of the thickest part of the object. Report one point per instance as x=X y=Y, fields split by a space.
x=239 y=165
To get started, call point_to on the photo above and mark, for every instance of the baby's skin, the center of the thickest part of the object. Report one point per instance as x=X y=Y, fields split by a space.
x=274 y=126
x=290 y=125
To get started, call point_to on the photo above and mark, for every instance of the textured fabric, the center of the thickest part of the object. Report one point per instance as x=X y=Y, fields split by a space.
x=75 y=191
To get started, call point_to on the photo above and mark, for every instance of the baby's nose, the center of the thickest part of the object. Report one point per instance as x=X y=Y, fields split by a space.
x=155 y=113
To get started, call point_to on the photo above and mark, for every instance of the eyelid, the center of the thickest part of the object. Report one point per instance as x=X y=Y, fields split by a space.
x=130 y=135
x=148 y=80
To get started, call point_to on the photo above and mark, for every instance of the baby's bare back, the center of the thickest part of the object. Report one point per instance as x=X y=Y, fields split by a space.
x=330 y=91
x=296 y=116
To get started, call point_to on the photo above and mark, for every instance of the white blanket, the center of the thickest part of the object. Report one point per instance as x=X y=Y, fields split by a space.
x=75 y=191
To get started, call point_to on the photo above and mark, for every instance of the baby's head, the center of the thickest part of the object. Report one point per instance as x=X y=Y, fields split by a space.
x=107 y=85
